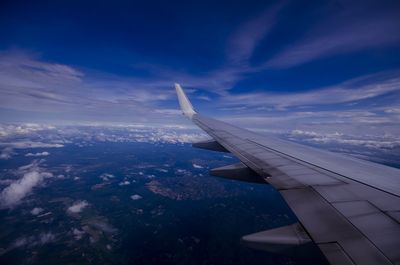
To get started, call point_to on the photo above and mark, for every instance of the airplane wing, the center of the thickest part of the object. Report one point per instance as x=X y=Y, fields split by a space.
x=349 y=207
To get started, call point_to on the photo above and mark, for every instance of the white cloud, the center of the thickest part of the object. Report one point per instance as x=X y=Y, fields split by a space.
x=30 y=144
x=7 y=153
x=38 y=154
x=6 y=181
x=45 y=214
x=106 y=176
x=22 y=129
x=124 y=183
x=78 y=234
x=393 y=110
x=31 y=85
x=32 y=241
x=32 y=176
x=369 y=141
x=36 y=211
x=136 y=197
x=78 y=207
x=197 y=166
x=181 y=171
x=45 y=238
x=168 y=111
x=174 y=137
x=20 y=242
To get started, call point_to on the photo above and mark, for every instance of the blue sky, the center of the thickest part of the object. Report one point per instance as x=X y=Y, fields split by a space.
x=312 y=65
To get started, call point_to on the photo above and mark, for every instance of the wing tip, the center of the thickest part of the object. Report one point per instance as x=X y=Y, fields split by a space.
x=178 y=86
x=184 y=102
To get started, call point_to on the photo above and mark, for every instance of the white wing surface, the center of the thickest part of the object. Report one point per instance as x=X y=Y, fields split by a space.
x=349 y=207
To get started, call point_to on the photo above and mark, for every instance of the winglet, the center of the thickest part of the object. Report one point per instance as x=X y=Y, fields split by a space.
x=184 y=102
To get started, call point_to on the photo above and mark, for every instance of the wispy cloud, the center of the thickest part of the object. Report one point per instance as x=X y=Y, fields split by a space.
x=356 y=89
x=36 y=86
x=245 y=39
x=239 y=48
x=33 y=86
x=351 y=30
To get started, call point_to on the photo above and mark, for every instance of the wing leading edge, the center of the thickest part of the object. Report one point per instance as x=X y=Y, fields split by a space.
x=349 y=207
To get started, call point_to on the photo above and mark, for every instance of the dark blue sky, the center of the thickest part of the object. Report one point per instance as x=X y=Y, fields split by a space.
x=116 y=61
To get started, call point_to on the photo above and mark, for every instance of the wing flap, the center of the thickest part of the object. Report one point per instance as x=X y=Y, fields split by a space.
x=335 y=254
x=278 y=239
x=210 y=145
x=326 y=225
x=237 y=171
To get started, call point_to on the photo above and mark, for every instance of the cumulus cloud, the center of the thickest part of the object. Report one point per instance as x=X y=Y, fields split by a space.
x=23 y=129
x=197 y=166
x=368 y=141
x=32 y=241
x=38 y=154
x=32 y=176
x=106 y=176
x=136 y=197
x=7 y=153
x=36 y=211
x=124 y=183
x=20 y=242
x=326 y=121
x=174 y=137
x=78 y=207
x=45 y=238
x=103 y=225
